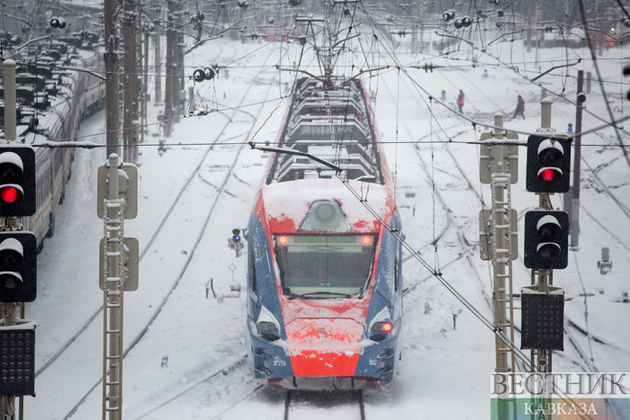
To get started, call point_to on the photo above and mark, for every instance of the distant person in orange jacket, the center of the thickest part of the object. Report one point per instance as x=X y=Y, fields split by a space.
x=520 y=107
x=460 y=100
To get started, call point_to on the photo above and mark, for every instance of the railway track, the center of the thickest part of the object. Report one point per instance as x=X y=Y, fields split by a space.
x=330 y=403
x=455 y=220
x=191 y=253
x=148 y=245
x=68 y=350
x=238 y=367
x=467 y=249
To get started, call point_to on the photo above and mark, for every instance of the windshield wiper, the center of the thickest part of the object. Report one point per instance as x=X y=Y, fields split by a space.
x=311 y=294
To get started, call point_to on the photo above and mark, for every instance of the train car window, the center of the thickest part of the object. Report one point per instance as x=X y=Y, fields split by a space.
x=315 y=266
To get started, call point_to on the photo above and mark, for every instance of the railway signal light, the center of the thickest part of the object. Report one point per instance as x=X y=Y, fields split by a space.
x=17 y=366
x=57 y=23
x=235 y=242
x=201 y=75
x=18 y=267
x=548 y=164
x=546 y=239
x=17 y=181
x=542 y=318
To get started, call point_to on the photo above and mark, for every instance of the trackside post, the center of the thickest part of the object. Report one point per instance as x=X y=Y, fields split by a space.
x=18 y=260
x=498 y=230
x=117 y=197
x=546 y=246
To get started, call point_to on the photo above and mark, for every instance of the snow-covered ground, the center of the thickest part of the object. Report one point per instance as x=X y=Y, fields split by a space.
x=186 y=359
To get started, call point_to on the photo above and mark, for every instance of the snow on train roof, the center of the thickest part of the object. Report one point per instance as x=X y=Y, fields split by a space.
x=333 y=122
x=286 y=204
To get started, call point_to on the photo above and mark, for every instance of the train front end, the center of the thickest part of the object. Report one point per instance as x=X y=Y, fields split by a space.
x=325 y=286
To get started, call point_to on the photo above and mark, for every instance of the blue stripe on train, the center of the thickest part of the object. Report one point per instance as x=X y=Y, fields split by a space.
x=265 y=358
x=379 y=358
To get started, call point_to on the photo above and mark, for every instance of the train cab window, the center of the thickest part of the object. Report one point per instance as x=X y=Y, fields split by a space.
x=316 y=266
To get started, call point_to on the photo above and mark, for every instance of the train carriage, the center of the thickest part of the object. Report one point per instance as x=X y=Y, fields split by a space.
x=324 y=277
x=52 y=110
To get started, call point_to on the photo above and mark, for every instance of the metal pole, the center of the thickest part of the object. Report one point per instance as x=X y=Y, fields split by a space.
x=545 y=116
x=113 y=296
x=501 y=254
x=111 y=82
x=111 y=98
x=541 y=358
x=9 y=100
x=181 y=82
x=575 y=202
x=158 y=64
x=145 y=85
x=130 y=80
x=168 y=85
x=9 y=313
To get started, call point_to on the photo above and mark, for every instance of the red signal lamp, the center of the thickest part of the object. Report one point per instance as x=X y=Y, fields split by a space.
x=549 y=174
x=9 y=194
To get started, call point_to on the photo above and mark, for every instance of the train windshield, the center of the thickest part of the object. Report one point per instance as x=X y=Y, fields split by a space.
x=316 y=266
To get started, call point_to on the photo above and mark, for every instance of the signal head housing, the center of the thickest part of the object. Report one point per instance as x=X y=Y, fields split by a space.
x=17 y=181
x=18 y=267
x=548 y=164
x=546 y=239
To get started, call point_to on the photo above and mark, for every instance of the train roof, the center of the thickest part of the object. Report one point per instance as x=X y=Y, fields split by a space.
x=331 y=120
x=284 y=207
x=46 y=85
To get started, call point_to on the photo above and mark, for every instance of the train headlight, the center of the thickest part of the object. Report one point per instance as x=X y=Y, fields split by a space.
x=264 y=326
x=383 y=327
x=267 y=325
x=268 y=330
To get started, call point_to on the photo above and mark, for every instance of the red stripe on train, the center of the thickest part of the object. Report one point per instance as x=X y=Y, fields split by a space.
x=324 y=347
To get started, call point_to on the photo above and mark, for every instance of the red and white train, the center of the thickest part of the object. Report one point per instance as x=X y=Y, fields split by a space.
x=324 y=280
